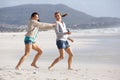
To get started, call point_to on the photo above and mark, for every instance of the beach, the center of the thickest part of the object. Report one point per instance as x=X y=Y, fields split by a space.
x=96 y=57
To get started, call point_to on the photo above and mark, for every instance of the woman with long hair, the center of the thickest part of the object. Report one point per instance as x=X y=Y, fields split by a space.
x=30 y=39
x=62 y=41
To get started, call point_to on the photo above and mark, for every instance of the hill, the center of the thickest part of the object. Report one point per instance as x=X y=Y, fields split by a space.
x=19 y=15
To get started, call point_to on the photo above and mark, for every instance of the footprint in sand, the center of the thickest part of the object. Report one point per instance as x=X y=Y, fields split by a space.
x=1 y=70
x=17 y=73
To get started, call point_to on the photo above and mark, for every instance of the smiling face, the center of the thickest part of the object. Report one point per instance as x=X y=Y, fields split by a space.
x=58 y=16
x=36 y=17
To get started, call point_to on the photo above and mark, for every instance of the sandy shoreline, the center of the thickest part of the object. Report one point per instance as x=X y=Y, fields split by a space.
x=82 y=72
x=92 y=61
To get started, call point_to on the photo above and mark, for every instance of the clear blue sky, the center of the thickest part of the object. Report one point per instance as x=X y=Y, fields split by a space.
x=98 y=8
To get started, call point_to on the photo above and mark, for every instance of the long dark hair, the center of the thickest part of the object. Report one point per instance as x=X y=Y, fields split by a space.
x=33 y=14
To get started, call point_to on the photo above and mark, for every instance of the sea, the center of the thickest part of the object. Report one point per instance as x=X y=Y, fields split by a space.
x=94 y=46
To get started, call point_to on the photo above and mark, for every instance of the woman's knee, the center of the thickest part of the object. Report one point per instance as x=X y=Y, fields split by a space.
x=40 y=51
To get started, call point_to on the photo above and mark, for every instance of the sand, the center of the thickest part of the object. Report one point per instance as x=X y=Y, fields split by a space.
x=96 y=57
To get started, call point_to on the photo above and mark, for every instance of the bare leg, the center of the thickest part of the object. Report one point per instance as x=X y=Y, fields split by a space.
x=36 y=48
x=61 y=51
x=70 y=59
x=28 y=48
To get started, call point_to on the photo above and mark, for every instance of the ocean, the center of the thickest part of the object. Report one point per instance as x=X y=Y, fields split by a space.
x=97 y=46
x=100 y=46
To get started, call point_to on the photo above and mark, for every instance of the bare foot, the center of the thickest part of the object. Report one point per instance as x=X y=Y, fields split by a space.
x=33 y=65
x=50 y=68
x=17 y=68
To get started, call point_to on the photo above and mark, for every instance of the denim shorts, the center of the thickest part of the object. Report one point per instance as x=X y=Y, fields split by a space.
x=62 y=44
x=29 y=40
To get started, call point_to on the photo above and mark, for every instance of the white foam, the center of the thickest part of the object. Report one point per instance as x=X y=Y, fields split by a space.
x=99 y=30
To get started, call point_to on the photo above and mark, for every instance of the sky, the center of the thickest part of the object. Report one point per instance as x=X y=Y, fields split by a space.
x=97 y=8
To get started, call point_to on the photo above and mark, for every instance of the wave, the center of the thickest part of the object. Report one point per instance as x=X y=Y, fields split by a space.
x=99 y=30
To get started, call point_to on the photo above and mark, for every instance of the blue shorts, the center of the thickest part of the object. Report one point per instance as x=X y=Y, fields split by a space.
x=29 y=40
x=62 y=44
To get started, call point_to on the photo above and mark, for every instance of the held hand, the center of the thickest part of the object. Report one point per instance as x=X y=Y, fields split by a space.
x=54 y=24
x=68 y=33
